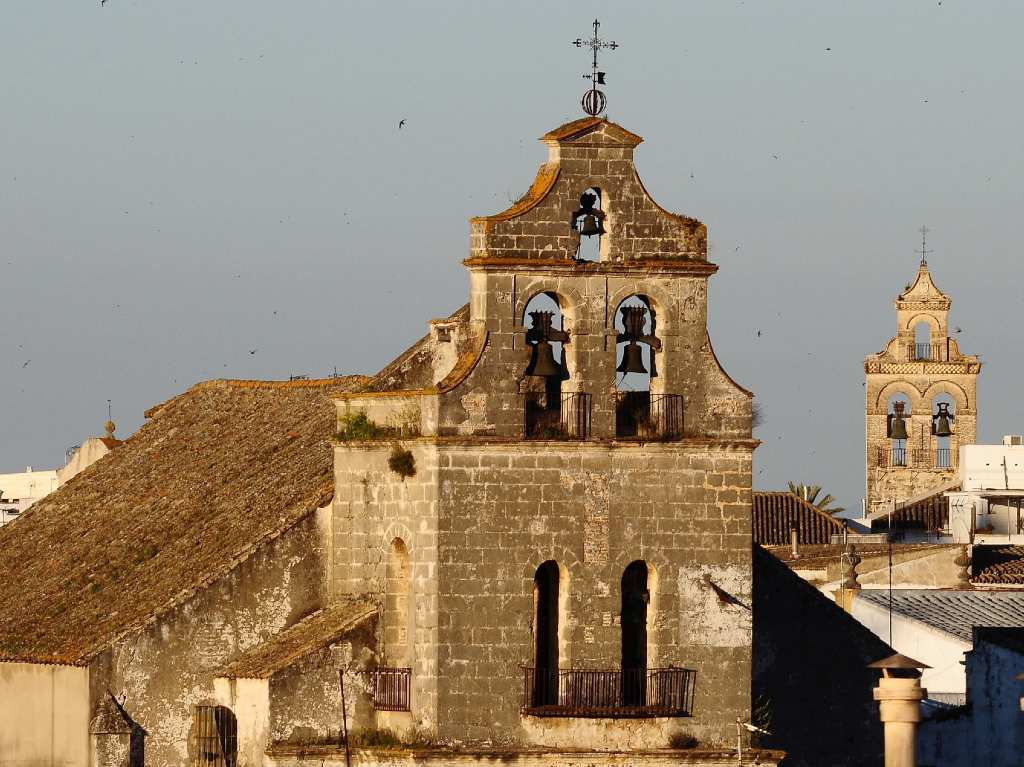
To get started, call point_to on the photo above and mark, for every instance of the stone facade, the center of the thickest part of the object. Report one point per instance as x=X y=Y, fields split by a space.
x=490 y=503
x=920 y=373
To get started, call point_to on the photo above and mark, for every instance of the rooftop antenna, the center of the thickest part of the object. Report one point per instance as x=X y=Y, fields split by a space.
x=594 y=101
x=924 y=246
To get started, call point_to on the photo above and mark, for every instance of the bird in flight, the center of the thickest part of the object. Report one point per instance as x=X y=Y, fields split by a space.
x=26 y=364
x=252 y=351
x=401 y=123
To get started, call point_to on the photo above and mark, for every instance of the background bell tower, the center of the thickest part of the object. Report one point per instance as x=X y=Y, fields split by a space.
x=911 y=452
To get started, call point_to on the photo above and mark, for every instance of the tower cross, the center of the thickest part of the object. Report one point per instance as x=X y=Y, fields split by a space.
x=594 y=101
x=924 y=246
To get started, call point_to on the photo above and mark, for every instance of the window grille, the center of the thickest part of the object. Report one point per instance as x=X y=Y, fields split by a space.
x=214 y=737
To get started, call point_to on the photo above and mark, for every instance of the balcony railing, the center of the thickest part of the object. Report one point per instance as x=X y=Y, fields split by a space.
x=629 y=693
x=391 y=688
x=898 y=456
x=642 y=415
x=564 y=416
x=943 y=458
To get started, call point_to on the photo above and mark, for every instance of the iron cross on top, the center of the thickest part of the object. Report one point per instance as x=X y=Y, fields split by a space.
x=594 y=100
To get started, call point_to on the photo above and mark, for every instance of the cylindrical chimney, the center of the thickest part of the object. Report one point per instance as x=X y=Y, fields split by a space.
x=899 y=695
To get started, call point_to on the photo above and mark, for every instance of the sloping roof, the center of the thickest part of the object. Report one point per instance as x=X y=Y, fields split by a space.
x=998 y=564
x=314 y=632
x=215 y=473
x=952 y=612
x=776 y=512
x=926 y=512
x=413 y=368
x=577 y=129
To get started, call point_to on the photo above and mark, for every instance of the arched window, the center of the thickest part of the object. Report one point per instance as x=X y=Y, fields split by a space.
x=943 y=420
x=397 y=607
x=898 y=429
x=214 y=737
x=635 y=598
x=546 y=595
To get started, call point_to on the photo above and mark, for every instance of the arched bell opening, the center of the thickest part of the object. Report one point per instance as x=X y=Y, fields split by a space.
x=922 y=348
x=588 y=224
x=898 y=429
x=547 y=406
x=640 y=411
x=943 y=413
x=547 y=588
x=636 y=597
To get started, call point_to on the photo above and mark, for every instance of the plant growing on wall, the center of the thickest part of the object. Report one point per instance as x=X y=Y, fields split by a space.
x=401 y=461
x=356 y=425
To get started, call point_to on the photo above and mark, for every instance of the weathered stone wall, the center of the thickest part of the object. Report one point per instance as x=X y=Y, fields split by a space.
x=372 y=507
x=169 y=667
x=506 y=509
x=305 y=698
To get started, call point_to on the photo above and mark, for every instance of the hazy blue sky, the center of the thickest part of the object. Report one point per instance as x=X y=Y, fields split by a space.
x=184 y=183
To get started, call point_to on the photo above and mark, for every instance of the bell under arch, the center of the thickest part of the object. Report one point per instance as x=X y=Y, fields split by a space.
x=589 y=223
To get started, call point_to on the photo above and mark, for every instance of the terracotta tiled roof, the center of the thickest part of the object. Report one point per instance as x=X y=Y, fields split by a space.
x=775 y=513
x=998 y=564
x=314 y=632
x=215 y=473
x=929 y=513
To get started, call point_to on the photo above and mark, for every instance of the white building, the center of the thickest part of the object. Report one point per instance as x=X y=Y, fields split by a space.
x=935 y=627
x=989 y=500
x=21 y=489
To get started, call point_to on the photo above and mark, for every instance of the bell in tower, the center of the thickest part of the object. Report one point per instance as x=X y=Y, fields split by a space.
x=633 y=318
x=897 y=425
x=542 y=361
x=942 y=421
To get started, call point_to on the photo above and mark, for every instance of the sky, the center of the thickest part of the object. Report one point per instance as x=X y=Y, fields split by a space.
x=220 y=190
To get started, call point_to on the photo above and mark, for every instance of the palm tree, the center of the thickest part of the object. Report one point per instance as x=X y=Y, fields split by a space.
x=810 y=494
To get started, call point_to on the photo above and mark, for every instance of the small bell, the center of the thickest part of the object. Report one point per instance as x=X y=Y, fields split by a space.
x=543 y=363
x=591 y=225
x=942 y=421
x=897 y=425
x=632 y=360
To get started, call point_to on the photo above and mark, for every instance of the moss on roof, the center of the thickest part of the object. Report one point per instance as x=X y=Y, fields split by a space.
x=314 y=632
x=215 y=473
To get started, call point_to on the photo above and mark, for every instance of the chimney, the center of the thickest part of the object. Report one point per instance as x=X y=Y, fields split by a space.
x=899 y=695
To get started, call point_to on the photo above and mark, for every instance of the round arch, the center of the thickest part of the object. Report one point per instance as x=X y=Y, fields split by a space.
x=658 y=299
x=931 y=320
x=907 y=389
x=951 y=389
x=568 y=298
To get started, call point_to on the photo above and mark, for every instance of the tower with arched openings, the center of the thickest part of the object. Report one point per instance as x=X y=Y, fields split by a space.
x=921 y=399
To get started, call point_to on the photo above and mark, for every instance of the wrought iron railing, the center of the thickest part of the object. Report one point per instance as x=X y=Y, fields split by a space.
x=925 y=351
x=943 y=458
x=564 y=416
x=898 y=456
x=391 y=688
x=642 y=415
x=214 y=737
x=629 y=693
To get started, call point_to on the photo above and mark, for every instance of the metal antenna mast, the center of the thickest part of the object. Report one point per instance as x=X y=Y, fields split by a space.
x=594 y=101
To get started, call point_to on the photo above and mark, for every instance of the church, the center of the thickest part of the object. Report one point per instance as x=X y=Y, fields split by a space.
x=527 y=540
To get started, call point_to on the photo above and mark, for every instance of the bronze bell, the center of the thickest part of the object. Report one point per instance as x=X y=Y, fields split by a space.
x=632 y=360
x=591 y=225
x=942 y=421
x=897 y=424
x=543 y=363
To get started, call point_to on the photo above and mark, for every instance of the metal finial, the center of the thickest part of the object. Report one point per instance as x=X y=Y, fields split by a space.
x=594 y=101
x=924 y=246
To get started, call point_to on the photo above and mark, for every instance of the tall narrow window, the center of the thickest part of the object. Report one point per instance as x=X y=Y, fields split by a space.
x=214 y=737
x=635 y=597
x=545 y=684
x=397 y=607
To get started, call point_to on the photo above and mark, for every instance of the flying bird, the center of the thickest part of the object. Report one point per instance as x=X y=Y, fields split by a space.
x=26 y=363
x=252 y=351
x=401 y=123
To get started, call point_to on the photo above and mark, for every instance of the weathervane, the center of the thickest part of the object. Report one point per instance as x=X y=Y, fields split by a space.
x=924 y=250
x=594 y=101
